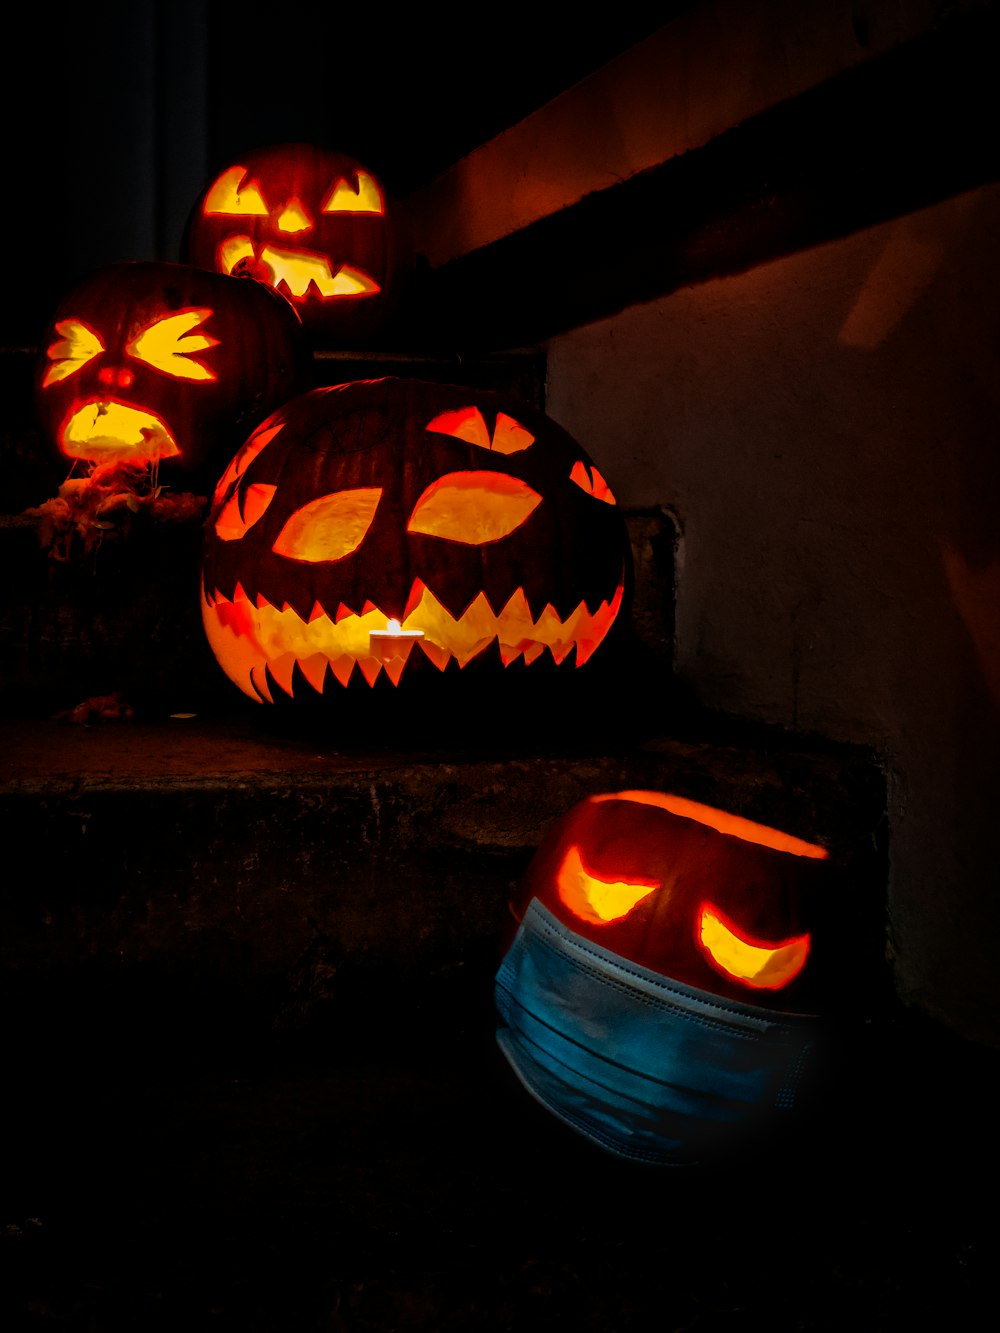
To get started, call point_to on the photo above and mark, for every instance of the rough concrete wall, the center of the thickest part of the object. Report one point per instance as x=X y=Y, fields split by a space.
x=825 y=429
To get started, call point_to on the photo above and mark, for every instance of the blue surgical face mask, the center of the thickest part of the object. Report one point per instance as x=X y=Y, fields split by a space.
x=648 y=1068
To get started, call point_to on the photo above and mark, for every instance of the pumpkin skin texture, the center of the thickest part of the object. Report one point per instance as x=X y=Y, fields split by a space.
x=318 y=227
x=469 y=517
x=720 y=903
x=165 y=364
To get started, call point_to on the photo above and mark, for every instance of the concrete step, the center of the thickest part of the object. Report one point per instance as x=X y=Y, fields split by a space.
x=410 y=1184
x=246 y=870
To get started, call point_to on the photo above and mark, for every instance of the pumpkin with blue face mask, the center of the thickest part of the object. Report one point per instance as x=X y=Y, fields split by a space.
x=375 y=532
x=657 y=992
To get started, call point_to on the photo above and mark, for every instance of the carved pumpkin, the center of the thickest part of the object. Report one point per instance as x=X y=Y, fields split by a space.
x=652 y=994
x=316 y=225
x=150 y=363
x=688 y=891
x=384 y=528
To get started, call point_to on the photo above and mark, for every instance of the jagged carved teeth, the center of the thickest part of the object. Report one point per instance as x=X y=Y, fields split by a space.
x=298 y=270
x=260 y=635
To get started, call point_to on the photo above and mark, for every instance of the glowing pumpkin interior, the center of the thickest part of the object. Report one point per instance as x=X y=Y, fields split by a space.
x=464 y=507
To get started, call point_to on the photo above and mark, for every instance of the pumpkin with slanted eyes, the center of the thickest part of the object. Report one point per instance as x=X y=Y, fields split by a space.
x=705 y=897
x=376 y=530
x=316 y=225
x=657 y=990
x=147 y=363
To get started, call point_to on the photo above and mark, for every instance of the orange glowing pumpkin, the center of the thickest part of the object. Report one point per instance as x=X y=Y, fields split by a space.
x=704 y=897
x=148 y=363
x=382 y=529
x=317 y=226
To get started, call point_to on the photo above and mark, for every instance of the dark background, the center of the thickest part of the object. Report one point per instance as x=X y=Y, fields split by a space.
x=117 y=114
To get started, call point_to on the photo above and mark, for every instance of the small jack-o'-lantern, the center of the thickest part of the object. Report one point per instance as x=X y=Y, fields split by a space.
x=316 y=225
x=660 y=992
x=150 y=363
x=384 y=528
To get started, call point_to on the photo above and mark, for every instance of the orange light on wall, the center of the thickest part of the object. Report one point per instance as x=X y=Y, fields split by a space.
x=386 y=527
x=318 y=227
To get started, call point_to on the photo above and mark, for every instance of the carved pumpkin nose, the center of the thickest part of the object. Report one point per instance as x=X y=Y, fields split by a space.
x=115 y=375
x=294 y=217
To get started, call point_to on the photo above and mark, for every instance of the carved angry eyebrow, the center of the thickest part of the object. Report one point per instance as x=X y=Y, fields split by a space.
x=468 y=424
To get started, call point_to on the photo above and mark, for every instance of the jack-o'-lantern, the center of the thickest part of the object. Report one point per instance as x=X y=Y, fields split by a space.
x=381 y=529
x=661 y=992
x=698 y=894
x=148 y=363
x=317 y=226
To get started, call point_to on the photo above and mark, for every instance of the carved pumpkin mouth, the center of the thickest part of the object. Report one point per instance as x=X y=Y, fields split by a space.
x=295 y=272
x=253 y=639
x=107 y=431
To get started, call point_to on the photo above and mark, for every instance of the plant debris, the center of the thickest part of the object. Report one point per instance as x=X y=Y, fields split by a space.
x=98 y=708
x=104 y=505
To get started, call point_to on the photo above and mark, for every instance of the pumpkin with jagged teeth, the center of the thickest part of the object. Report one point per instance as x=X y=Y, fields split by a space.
x=382 y=528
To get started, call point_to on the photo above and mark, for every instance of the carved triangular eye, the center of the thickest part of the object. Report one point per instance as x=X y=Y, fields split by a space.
x=591 y=481
x=76 y=345
x=329 y=527
x=473 y=507
x=229 y=197
x=169 y=345
x=467 y=423
x=365 y=197
x=759 y=964
x=241 y=511
x=244 y=457
x=594 y=899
